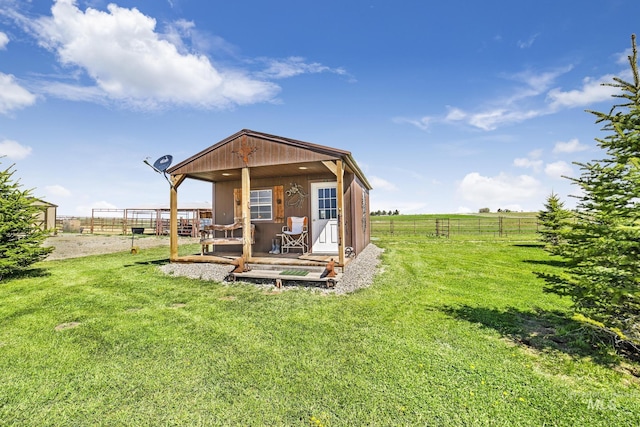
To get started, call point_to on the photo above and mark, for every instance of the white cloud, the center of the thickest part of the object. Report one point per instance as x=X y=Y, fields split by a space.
x=57 y=191
x=73 y=92
x=571 y=146
x=521 y=162
x=400 y=204
x=535 y=154
x=558 y=169
x=422 y=123
x=527 y=43
x=537 y=83
x=382 y=184
x=293 y=66
x=455 y=114
x=497 y=190
x=14 y=150
x=201 y=41
x=592 y=91
x=84 y=210
x=132 y=63
x=530 y=99
x=4 y=40
x=492 y=119
x=12 y=95
x=508 y=110
x=622 y=58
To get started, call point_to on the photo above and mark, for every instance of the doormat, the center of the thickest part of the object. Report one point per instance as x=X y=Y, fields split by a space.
x=294 y=273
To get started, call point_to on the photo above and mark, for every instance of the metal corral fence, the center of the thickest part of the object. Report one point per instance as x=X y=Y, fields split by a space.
x=500 y=226
x=137 y=221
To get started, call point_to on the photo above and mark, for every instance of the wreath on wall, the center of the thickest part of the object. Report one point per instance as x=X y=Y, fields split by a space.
x=296 y=195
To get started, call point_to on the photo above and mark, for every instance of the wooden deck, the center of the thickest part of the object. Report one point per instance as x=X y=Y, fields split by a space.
x=264 y=259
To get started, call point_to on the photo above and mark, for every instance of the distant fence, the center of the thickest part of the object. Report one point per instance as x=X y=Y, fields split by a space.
x=448 y=227
x=104 y=225
x=125 y=221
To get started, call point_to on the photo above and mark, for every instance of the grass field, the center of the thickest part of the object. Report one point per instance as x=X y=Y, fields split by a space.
x=486 y=226
x=451 y=333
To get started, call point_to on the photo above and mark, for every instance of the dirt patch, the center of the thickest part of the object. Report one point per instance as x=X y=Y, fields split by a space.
x=79 y=245
x=69 y=325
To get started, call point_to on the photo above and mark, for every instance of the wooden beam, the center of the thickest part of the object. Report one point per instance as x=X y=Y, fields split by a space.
x=331 y=166
x=340 y=195
x=176 y=180
x=246 y=214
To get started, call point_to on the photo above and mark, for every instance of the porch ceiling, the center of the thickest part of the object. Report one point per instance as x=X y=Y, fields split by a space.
x=293 y=169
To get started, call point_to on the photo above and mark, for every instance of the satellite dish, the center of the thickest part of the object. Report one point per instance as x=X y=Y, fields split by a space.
x=163 y=163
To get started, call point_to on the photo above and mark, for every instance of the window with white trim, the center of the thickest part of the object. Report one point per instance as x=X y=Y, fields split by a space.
x=261 y=204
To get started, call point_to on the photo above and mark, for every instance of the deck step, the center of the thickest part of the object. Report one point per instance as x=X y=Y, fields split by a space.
x=288 y=275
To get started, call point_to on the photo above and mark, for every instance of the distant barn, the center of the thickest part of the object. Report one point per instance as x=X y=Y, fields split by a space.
x=46 y=218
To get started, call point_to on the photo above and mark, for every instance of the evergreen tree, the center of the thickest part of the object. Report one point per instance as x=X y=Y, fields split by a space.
x=554 y=221
x=602 y=248
x=20 y=238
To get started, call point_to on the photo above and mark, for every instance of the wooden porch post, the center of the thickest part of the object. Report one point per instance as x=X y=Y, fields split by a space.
x=340 y=194
x=173 y=216
x=246 y=214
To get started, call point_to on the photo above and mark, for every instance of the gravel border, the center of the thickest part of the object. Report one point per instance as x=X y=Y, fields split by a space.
x=72 y=245
x=358 y=274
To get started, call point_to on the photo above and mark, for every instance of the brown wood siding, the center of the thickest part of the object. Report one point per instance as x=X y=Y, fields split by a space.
x=355 y=236
x=348 y=214
x=360 y=235
x=267 y=153
x=224 y=205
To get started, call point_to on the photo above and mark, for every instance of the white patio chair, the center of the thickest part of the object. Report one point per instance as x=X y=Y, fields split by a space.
x=295 y=234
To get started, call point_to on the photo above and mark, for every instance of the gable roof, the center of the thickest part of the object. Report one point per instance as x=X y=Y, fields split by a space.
x=270 y=151
x=40 y=202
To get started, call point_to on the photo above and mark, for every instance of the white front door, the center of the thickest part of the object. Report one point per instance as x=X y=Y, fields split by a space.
x=324 y=217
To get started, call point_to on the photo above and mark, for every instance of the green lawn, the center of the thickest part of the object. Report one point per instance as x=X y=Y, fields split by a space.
x=451 y=333
x=486 y=226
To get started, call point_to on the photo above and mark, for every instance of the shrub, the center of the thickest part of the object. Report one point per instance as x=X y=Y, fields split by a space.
x=20 y=238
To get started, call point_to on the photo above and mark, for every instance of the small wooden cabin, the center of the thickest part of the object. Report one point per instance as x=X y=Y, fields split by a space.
x=46 y=218
x=260 y=180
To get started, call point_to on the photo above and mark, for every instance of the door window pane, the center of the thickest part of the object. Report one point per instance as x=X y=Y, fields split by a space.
x=327 y=203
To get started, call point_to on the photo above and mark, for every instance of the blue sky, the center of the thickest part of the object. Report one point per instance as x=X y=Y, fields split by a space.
x=446 y=106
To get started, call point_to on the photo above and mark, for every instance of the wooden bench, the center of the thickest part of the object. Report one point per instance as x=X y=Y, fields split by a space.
x=208 y=236
x=279 y=275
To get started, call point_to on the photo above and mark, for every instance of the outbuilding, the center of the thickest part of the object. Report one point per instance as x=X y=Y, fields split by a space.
x=46 y=217
x=262 y=185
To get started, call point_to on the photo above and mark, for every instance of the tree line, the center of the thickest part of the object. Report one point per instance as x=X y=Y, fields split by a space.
x=383 y=213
